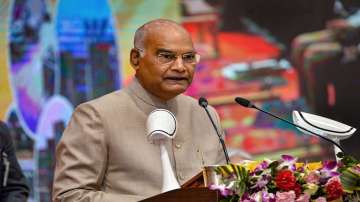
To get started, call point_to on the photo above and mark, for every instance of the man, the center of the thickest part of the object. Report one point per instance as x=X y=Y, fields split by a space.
x=13 y=187
x=104 y=154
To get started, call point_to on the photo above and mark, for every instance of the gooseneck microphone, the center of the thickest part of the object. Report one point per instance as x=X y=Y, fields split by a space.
x=246 y=103
x=204 y=103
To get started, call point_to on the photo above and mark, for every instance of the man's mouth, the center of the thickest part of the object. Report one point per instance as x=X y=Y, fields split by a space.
x=175 y=78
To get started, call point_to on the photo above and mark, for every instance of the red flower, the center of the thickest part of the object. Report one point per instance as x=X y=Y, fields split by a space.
x=285 y=180
x=334 y=190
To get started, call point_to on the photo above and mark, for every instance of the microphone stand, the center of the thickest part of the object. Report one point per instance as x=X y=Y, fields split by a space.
x=203 y=103
x=246 y=103
x=307 y=130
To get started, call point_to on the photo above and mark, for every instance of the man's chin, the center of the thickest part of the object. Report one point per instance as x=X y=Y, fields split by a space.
x=176 y=89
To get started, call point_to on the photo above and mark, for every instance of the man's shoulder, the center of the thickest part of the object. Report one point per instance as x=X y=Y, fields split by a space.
x=110 y=100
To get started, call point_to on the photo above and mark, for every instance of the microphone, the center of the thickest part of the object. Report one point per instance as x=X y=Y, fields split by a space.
x=246 y=103
x=204 y=103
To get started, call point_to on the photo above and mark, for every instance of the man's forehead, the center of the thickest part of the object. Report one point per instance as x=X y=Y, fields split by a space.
x=169 y=39
x=171 y=45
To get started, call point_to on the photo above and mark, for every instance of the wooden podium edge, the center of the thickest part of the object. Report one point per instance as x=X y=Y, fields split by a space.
x=195 y=182
x=193 y=190
x=187 y=195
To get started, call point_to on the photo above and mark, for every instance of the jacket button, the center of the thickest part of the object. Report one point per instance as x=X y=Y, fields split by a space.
x=177 y=146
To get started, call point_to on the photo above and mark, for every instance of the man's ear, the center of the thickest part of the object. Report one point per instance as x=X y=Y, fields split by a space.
x=135 y=58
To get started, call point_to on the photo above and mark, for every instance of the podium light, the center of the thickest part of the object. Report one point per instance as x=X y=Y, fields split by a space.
x=325 y=127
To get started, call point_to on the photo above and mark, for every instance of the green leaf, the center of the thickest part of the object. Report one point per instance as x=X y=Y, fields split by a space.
x=350 y=180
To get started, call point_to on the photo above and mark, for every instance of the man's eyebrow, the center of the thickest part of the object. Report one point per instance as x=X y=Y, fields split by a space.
x=170 y=51
x=190 y=52
x=164 y=50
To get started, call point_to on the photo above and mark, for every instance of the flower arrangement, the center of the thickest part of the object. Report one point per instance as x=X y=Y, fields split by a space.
x=286 y=180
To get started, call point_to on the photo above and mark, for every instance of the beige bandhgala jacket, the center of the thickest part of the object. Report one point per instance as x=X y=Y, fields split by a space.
x=104 y=154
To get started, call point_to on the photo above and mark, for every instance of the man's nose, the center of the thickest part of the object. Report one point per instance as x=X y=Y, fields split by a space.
x=179 y=64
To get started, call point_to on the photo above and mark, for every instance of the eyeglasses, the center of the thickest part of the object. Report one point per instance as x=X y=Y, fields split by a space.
x=167 y=57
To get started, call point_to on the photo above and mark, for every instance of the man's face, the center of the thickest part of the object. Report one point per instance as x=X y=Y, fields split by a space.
x=162 y=70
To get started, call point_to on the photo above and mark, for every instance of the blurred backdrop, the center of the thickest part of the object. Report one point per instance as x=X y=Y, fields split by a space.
x=282 y=55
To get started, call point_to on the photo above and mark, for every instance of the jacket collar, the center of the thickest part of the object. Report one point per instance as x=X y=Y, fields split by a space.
x=141 y=93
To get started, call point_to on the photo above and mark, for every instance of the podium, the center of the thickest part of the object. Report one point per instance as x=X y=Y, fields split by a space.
x=193 y=190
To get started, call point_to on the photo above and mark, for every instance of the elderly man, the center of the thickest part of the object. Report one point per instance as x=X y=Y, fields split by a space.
x=104 y=154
